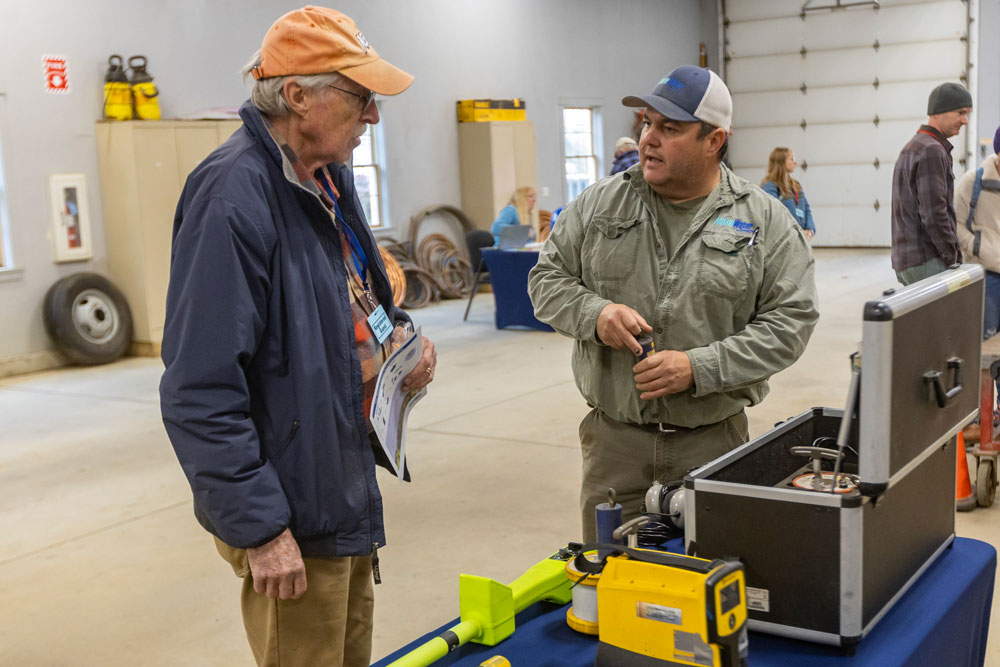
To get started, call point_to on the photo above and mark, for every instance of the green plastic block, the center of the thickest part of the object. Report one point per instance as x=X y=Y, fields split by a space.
x=488 y=603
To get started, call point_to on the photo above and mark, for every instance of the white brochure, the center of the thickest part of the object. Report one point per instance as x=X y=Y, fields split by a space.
x=391 y=405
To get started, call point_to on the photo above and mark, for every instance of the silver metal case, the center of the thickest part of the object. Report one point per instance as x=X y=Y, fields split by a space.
x=826 y=567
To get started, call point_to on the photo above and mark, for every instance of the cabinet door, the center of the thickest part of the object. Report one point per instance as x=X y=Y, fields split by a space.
x=525 y=164
x=194 y=143
x=159 y=186
x=226 y=129
x=504 y=171
x=476 y=173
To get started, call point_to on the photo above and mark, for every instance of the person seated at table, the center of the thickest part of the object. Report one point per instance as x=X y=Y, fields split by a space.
x=516 y=212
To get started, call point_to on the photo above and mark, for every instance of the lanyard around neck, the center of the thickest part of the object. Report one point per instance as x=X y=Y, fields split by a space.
x=357 y=252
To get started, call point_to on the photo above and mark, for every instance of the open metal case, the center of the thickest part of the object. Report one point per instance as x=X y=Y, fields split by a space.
x=826 y=565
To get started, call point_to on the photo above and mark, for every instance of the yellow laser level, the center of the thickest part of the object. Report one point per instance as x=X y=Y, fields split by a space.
x=659 y=608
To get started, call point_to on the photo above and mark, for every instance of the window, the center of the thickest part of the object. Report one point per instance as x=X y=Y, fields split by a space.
x=580 y=165
x=5 y=255
x=368 y=175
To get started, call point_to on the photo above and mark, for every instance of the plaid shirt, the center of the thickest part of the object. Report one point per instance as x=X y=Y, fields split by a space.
x=923 y=194
x=371 y=354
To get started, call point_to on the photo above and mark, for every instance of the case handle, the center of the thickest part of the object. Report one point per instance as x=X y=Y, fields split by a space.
x=933 y=378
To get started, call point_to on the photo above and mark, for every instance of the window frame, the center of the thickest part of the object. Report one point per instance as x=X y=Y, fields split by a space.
x=596 y=141
x=377 y=142
x=7 y=265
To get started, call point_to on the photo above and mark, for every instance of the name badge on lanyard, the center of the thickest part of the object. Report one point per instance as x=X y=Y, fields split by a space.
x=380 y=324
x=800 y=214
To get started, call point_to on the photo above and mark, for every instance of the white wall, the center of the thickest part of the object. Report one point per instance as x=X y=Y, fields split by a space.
x=988 y=93
x=541 y=50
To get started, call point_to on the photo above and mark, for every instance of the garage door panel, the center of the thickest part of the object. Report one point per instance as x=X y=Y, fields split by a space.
x=893 y=136
x=920 y=23
x=859 y=226
x=838 y=185
x=843 y=220
x=822 y=105
x=756 y=38
x=846 y=144
x=768 y=73
x=754 y=10
x=759 y=10
x=904 y=101
x=894 y=101
x=750 y=148
x=861 y=102
x=754 y=174
x=908 y=23
x=930 y=61
x=849 y=143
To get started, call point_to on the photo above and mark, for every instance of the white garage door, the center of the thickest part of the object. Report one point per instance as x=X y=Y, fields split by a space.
x=845 y=89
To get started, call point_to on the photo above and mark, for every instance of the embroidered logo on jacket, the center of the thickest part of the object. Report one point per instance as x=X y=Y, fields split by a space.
x=737 y=224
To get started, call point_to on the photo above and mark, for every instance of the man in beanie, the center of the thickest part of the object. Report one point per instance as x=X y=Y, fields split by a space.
x=681 y=250
x=923 y=216
x=626 y=155
x=279 y=317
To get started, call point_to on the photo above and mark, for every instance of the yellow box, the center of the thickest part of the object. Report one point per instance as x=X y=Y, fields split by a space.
x=478 y=111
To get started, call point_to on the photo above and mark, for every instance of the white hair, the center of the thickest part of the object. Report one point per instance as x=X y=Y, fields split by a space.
x=268 y=95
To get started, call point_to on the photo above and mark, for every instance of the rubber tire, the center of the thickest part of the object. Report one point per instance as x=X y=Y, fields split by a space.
x=986 y=481
x=57 y=312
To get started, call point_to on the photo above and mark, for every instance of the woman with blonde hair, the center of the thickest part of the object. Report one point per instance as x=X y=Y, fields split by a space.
x=517 y=212
x=778 y=183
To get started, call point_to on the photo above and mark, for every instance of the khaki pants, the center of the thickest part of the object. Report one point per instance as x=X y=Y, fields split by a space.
x=629 y=458
x=329 y=626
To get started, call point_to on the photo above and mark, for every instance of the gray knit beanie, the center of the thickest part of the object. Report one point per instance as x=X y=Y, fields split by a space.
x=948 y=97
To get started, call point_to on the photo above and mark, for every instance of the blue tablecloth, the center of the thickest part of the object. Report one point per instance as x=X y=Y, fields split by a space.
x=942 y=621
x=508 y=271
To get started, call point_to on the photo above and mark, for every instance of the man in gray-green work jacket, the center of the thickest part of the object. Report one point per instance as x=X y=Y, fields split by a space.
x=681 y=248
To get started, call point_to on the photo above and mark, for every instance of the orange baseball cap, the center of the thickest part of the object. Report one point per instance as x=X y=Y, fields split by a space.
x=317 y=40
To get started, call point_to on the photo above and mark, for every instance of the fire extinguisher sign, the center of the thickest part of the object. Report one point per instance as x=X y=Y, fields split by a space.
x=56 y=73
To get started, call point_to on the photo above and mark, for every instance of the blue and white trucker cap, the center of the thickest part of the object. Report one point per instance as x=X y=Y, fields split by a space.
x=690 y=93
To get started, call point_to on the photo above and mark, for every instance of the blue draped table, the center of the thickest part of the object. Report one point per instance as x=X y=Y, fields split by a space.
x=943 y=620
x=508 y=271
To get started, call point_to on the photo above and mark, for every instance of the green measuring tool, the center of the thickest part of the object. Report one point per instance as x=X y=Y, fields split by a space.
x=487 y=607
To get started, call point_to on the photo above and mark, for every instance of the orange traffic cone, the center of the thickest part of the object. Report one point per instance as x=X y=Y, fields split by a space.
x=965 y=499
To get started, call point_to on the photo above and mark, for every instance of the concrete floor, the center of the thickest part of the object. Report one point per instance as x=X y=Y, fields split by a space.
x=102 y=562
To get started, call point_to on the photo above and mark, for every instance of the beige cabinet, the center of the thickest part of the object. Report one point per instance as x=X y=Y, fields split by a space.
x=143 y=166
x=494 y=158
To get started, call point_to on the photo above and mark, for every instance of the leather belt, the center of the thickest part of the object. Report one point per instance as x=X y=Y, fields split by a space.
x=664 y=427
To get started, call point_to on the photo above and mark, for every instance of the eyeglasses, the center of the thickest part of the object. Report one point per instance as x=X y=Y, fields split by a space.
x=365 y=99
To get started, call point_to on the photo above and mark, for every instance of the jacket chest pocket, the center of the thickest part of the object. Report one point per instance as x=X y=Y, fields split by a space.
x=723 y=266
x=613 y=249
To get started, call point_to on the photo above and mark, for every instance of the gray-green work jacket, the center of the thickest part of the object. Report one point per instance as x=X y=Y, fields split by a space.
x=738 y=295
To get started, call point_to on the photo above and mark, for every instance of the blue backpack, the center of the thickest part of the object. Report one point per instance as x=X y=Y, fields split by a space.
x=977 y=189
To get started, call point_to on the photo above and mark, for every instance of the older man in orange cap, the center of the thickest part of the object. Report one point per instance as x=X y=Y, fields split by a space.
x=279 y=318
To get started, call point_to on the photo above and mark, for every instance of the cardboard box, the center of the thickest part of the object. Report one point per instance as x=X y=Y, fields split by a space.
x=479 y=111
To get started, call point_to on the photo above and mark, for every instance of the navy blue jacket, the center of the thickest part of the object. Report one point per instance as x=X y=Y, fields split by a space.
x=262 y=393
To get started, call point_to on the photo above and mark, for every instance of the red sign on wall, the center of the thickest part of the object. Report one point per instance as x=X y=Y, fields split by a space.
x=56 y=73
